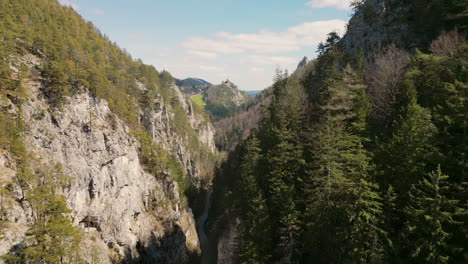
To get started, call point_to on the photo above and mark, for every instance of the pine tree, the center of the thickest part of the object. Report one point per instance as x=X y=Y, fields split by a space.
x=458 y=228
x=284 y=170
x=366 y=239
x=5 y=73
x=392 y=215
x=428 y=214
x=329 y=151
x=255 y=231
x=410 y=151
x=24 y=173
x=57 y=83
x=441 y=85
x=52 y=237
x=283 y=164
x=341 y=188
x=340 y=184
x=332 y=40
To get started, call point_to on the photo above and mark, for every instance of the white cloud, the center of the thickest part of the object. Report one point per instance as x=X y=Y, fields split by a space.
x=340 y=4
x=257 y=69
x=203 y=54
x=293 y=39
x=249 y=60
x=312 y=33
x=272 y=60
x=210 y=45
x=211 y=68
x=97 y=11
x=70 y=4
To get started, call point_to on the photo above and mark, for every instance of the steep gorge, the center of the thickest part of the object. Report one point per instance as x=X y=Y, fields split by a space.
x=134 y=159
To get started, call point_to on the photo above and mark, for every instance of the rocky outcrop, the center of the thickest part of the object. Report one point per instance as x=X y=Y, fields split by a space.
x=198 y=121
x=238 y=97
x=226 y=94
x=302 y=63
x=125 y=213
x=157 y=122
x=375 y=25
x=11 y=233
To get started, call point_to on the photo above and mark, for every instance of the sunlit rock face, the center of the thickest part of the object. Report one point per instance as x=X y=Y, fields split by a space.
x=375 y=26
x=125 y=213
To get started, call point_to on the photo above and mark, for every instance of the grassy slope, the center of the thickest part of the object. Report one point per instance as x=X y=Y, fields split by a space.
x=198 y=99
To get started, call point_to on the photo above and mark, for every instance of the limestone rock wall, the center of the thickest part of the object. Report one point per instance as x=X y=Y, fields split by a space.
x=125 y=213
x=375 y=26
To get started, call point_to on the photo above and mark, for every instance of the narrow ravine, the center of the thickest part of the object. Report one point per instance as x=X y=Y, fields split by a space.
x=201 y=228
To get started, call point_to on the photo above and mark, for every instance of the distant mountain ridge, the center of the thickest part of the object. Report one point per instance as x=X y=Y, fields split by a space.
x=192 y=81
x=192 y=85
x=219 y=100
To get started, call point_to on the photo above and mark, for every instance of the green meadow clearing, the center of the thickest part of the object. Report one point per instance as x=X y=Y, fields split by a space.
x=198 y=99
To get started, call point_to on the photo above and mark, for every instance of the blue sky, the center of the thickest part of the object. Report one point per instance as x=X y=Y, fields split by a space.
x=217 y=39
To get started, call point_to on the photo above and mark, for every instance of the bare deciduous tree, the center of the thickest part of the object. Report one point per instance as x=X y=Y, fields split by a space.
x=384 y=76
x=447 y=44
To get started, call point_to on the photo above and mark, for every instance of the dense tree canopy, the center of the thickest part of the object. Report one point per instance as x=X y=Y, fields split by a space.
x=356 y=164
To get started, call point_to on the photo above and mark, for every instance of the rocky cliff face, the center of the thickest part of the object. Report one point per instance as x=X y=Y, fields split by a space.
x=237 y=96
x=226 y=93
x=375 y=25
x=157 y=123
x=124 y=212
x=408 y=24
x=303 y=63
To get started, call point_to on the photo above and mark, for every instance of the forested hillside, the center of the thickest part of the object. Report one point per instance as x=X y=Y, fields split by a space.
x=360 y=160
x=76 y=57
x=193 y=85
x=238 y=126
x=100 y=154
x=223 y=100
